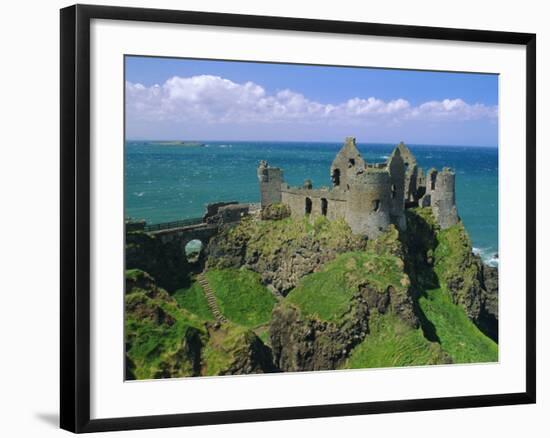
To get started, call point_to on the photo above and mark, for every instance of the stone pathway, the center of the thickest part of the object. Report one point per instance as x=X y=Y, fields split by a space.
x=211 y=298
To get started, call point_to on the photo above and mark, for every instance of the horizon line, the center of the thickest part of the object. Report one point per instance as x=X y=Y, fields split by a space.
x=310 y=141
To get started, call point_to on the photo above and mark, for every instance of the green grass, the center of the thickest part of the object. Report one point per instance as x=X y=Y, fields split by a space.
x=327 y=294
x=458 y=336
x=241 y=297
x=391 y=343
x=194 y=301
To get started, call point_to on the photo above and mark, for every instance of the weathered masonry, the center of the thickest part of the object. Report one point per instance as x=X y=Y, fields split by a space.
x=368 y=196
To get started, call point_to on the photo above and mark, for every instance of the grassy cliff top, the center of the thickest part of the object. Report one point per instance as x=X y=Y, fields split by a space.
x=269 y=237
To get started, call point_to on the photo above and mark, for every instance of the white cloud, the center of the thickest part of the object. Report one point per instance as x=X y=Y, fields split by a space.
x=212 y=99
x=453 y=109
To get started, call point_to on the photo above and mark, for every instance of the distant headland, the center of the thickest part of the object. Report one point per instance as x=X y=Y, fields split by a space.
x=187 y=144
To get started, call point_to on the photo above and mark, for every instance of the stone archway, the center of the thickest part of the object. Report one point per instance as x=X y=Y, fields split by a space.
x=193 y=250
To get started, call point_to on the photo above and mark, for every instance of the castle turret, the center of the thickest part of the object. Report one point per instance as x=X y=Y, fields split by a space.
x=270 y=179
x=346 y=164
x=369 y=202
x=396 y=169
x=442 y=191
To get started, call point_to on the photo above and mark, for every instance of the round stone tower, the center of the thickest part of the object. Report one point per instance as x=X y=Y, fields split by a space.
x=369 y=202
x=443 y=199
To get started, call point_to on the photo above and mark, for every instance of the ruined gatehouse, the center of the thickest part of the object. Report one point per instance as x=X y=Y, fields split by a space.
x=369 y=196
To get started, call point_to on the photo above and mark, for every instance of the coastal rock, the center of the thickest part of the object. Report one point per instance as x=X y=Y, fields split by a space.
x=301 y=343
x=282 y=251
x=232 y=349
x=488 y=318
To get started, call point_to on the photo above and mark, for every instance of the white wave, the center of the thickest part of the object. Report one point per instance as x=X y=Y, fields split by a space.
x=139 y=194
x=385 y=157
x=226 y=146
x=488 y=255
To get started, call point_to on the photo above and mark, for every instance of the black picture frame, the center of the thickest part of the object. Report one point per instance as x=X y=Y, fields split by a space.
x=75 y=217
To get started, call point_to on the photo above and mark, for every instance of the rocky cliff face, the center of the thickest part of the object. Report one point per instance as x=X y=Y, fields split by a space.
x=302 y=343
x=282 y=251
x=232 y=351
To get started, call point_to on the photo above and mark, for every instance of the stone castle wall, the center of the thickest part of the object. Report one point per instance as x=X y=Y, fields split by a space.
x=324 y=202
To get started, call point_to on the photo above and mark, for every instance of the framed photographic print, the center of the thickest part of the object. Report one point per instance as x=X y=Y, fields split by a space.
x=271 y=218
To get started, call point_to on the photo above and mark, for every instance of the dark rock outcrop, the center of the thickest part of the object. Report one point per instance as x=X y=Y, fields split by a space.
x=301 y=343
x=488 y=316
x=251 y=356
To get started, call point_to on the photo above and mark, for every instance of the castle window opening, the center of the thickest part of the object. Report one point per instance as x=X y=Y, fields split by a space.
x=393 y=191
x=432 y=180
x=336 y=177
x=324 y=206
x=376 y=205
x=308 y=205
x=351 y=162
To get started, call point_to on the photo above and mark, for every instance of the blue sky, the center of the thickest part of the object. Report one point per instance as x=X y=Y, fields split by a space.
x=168 y=98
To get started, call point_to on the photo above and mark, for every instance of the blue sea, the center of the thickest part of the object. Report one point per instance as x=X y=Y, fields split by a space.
x=165 y=183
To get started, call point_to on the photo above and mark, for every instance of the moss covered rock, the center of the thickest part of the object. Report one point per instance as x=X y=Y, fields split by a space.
x=316 y=326
x=275 y=212
x=282 y=251
x=233 y=349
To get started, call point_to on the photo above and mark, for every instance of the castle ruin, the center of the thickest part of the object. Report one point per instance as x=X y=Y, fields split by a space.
x=369 y=196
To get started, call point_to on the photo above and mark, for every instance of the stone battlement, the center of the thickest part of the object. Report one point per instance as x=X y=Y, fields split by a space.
x=369 y=196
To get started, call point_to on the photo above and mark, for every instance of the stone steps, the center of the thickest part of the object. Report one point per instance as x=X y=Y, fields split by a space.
x=210 y=298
